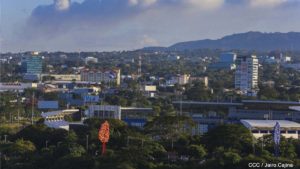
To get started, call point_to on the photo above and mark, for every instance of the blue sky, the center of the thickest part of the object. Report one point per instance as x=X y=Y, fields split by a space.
x=106 y=25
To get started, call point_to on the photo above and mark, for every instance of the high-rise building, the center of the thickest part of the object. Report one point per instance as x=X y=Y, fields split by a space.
x=246 y=74
x=34 y=64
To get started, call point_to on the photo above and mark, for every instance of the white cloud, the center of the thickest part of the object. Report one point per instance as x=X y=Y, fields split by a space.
x=62 y=4
x=144 y=3
x=133 y=2
x=266 y=3
x=205 y=4
x=148 y=41
x=148 y=2
x=202 y=4
x=131 y=24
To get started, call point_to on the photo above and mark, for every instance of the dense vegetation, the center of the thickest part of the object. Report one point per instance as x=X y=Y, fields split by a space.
x=164 y=143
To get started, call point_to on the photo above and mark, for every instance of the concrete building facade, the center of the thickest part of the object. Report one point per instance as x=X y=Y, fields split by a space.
x=246 y=74
x=99 y=76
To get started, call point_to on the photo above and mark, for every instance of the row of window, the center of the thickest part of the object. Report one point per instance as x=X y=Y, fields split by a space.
x=271 y=132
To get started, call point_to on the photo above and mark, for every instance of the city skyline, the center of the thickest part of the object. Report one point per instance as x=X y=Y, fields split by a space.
x=92 y=25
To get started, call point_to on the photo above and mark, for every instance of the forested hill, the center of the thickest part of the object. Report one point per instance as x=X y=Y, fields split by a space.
x=249 y=41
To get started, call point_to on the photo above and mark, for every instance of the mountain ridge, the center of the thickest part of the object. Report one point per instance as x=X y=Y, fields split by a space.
x=252 y=40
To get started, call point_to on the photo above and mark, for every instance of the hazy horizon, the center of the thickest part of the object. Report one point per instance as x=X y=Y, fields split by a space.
x=116 y=25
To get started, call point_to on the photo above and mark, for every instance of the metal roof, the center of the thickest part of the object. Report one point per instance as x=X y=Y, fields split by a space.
x=297 y=108
x=208 y=103
x=59 y=112
x=269 y=124
x=135 y=108
x=270 y=102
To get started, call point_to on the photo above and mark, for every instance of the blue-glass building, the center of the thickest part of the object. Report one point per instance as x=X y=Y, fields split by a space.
x=226 y=61
x=228 y=57
x=34 y=64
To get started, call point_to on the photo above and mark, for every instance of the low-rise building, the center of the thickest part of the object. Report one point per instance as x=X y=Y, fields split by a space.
x=20 y=87
x=259 y=128
x=133 y=116
x=64 y=77
x=295 y=66
x=90 y=59
x=104 y=111
x=55 y=119
x=149 y=90
x=204 y=80
x=183 y=79
x=99 y=76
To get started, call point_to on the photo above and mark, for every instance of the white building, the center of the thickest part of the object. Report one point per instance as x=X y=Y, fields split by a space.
x=259 y=128
x=90 y=59
x=149 y=90
x=104 y=111
x=98 y=76
x=285 y=59
x=20 y=87
x=64 y=77
x=183 y=79
x=246 y=74
x=204 y=80
x=55 y=119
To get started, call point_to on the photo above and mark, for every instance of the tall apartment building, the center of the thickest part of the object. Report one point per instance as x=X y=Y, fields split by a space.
x=105 y=76
x=246 y=74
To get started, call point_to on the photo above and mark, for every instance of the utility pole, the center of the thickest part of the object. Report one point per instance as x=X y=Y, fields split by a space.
x=10 y=118
x=254 y=152
x=87 y=143
x=127 y=141
x=0 y=160
x=180 y=102
x=32 y=105
x=140 y=67
x=18 y=100
x=262 y=143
